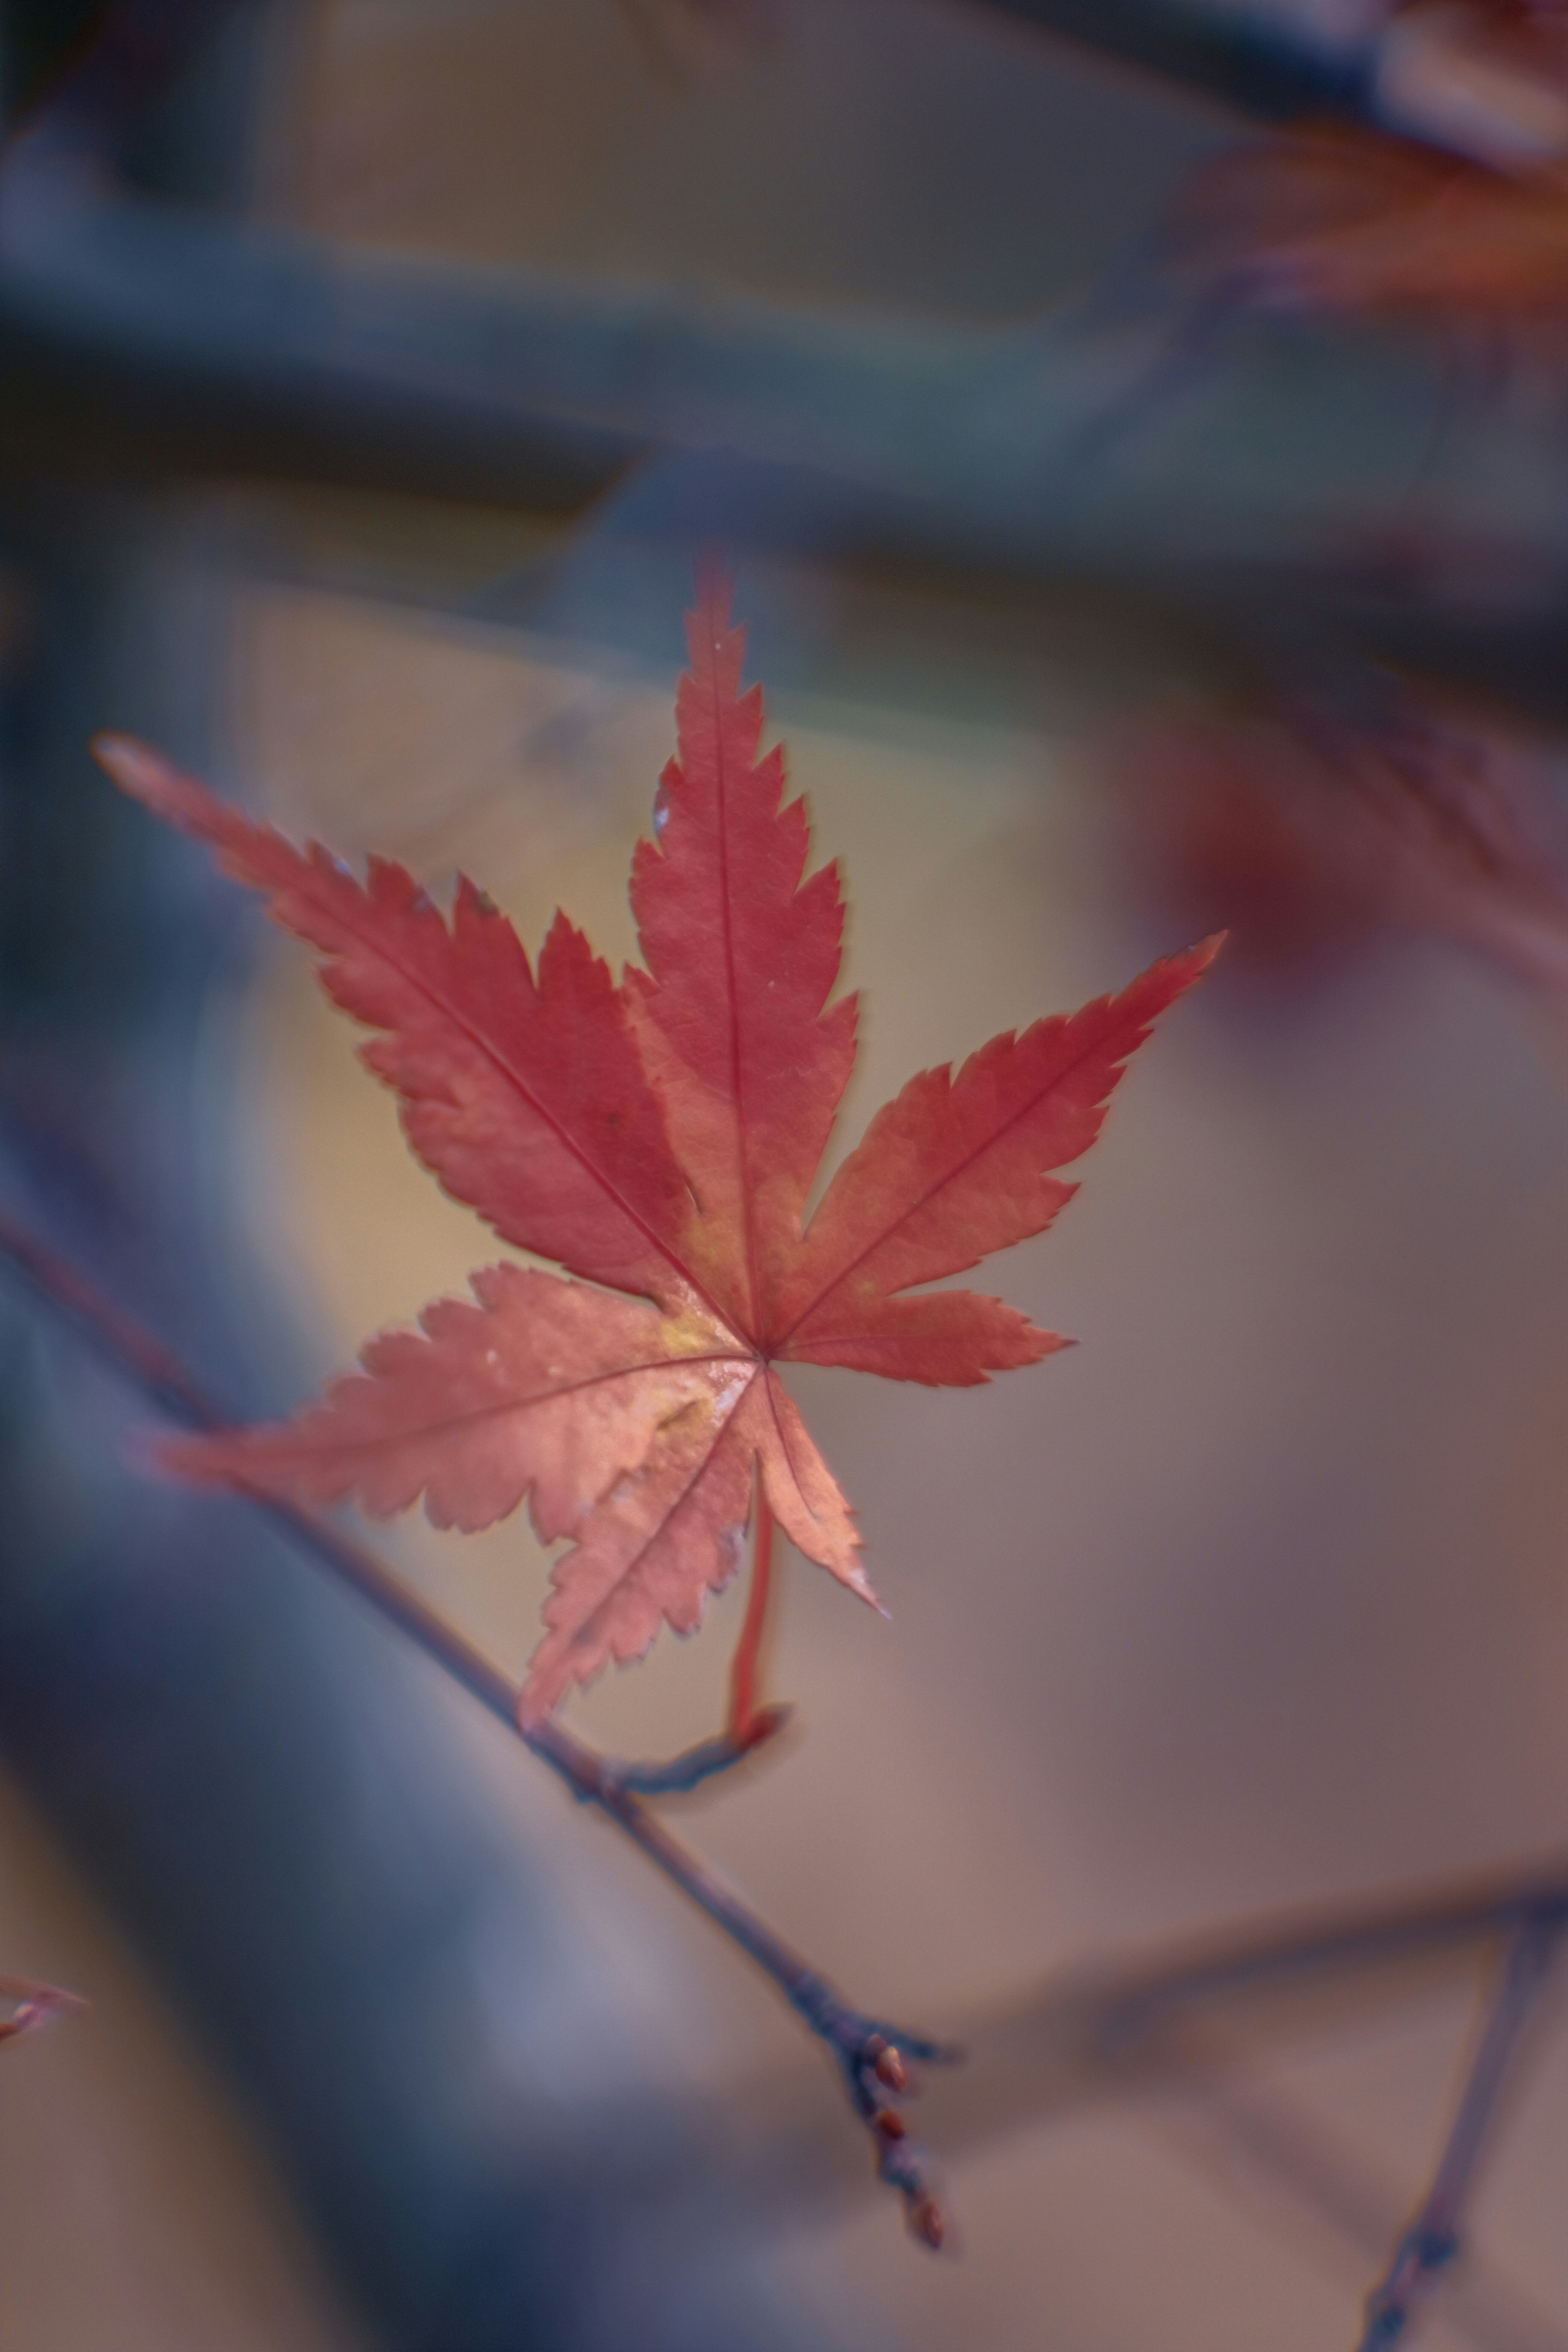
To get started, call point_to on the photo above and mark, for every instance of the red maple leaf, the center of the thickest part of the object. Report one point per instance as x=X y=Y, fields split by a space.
x=658 y=1141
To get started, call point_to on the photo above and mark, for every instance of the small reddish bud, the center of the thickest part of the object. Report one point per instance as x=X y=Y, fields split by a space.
x=889 y=2122
x=890 y=2069
x=929 y=2223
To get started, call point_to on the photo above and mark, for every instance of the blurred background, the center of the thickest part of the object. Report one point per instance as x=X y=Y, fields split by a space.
x=370 y=371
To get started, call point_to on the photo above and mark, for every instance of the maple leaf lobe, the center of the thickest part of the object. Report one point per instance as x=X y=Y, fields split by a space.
x=503 y=1078
x=741 y=952
x=542 y=1389
x=953 y=1168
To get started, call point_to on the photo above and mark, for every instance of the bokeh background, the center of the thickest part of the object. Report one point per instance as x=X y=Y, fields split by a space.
x=1252 y=1602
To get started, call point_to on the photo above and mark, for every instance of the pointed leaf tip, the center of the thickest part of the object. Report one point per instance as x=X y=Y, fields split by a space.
x=148 y=777
x=959 y=1165
x=715 y=584
x=134 y=766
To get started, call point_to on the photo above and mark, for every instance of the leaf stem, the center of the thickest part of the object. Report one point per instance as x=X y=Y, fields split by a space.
x=871 y=2055
x=1431 y=2244
x=743 y=1671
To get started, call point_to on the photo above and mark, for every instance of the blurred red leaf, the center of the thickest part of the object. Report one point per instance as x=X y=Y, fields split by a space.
x=1339 y=222
x=1301 y=830
x=658 y=1140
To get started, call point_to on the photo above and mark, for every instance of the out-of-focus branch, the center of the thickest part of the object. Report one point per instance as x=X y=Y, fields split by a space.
x=1106 y=2032
x=1263 y=2147
x=1271 y=68
x=147 y=337
x=1176 y=2042
x=871 y=2055
x=1109 y=2024
x=1431 y=2244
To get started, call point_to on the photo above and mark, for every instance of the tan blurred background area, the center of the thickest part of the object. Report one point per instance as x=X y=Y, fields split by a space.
x=1254 y=1598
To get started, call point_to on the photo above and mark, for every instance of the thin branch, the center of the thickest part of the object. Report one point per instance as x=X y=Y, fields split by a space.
x=677 y=1776
x=1234 y=55
x=1431 y=2244
x=872 y=2056
x=1274 y=2145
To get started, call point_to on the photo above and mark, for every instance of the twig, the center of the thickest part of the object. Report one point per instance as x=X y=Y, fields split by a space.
x=677 y=1776
x=1431 y=2244
x=872 y=2056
